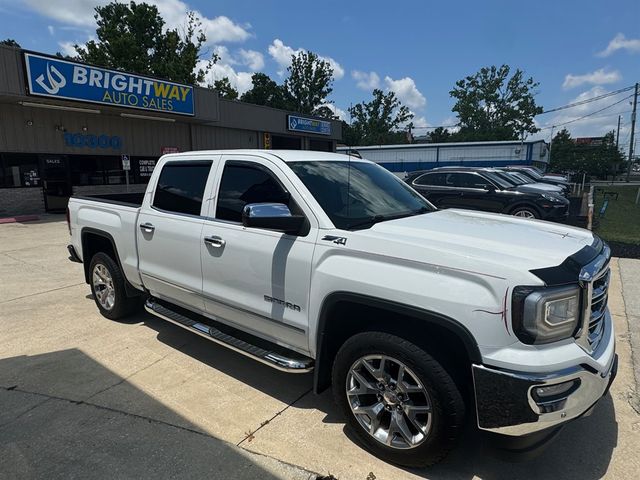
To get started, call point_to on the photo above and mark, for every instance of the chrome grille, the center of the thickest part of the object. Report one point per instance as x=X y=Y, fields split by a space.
x=599 y=295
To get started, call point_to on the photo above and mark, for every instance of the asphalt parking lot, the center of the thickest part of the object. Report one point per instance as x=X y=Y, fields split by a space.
x=85 y=397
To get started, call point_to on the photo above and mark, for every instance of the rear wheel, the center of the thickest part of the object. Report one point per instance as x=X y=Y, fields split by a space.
x=525 y=212
x=399 y=401
x=107 y=287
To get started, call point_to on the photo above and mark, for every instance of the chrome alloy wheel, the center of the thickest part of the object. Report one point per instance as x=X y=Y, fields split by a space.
x=103 y=286
x=525 y=214
x=389 y=401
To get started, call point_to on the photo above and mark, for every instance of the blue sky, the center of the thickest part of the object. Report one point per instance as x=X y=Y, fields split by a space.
x=575 y=49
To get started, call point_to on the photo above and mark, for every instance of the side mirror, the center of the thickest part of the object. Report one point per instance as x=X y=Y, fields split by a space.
x=272 y=216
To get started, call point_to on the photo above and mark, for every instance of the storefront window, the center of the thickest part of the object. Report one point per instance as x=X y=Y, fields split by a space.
x=86 y=171
x=113 y=173
x=19 y=170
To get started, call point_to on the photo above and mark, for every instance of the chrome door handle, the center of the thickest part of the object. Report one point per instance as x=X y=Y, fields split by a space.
x=147 y=227
x=215 y=241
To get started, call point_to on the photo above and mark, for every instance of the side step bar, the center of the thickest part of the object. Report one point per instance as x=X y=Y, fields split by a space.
x=279 y=358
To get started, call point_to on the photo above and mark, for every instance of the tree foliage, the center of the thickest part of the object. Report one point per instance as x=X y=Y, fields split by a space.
x=265 y=91
x=309 y=84
x=10 y=42
x=440 y=135
x=132 y=37
x=493 y=106
x=378 y=121
x=224 y=89
x=597 y=160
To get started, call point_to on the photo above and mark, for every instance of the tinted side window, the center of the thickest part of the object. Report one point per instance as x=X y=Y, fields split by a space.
x=431 y=179
x=243 y=184
x=466 y=180
x=181 y=187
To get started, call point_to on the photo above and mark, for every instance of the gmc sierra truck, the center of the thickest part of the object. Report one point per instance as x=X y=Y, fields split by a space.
x=419 y=319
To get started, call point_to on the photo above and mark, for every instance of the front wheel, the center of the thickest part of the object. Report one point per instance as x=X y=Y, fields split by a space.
x=529 y=213
x=399 y=401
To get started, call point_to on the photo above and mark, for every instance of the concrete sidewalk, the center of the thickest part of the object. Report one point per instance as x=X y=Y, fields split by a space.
x=82 y=396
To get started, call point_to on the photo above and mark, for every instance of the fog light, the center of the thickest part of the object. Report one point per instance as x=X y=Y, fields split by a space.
x=559 y=391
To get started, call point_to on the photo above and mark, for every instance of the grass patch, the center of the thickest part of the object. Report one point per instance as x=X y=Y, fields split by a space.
x=621 y=221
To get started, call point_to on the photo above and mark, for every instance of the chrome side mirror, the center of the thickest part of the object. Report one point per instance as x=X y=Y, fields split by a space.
x=272 y=216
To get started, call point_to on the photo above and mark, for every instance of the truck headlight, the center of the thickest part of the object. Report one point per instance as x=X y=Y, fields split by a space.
x=544 y=315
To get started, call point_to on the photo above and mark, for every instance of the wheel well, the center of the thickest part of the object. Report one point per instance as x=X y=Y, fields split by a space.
x=436 y=334
x=524 y=205
x=93 y=242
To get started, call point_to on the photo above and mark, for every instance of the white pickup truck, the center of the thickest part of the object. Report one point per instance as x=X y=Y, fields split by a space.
x=419 y=319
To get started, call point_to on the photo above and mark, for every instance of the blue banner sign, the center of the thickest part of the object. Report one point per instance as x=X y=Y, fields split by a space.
x=52 y=77
x=301 y=124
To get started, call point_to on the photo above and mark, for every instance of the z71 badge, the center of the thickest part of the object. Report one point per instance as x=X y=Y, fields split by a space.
x=336 y=240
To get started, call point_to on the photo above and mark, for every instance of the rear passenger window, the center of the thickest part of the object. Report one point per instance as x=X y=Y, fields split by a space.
x=181 y=187
x=242 y=184
x=430 y=179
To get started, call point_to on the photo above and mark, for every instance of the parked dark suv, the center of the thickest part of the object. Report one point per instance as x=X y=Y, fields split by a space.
x=478 y=189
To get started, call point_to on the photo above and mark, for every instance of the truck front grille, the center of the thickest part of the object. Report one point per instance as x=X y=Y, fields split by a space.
x=599 y=296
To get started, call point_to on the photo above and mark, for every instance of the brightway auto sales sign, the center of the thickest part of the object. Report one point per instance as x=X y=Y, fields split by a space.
x=52 y=77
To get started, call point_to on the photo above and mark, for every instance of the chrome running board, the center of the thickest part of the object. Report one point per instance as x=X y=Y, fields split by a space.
x=277 y=357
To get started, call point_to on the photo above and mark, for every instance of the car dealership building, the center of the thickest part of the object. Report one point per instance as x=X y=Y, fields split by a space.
x=67 y=127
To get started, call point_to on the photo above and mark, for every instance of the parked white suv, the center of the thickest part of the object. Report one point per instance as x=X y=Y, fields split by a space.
x=418 y=318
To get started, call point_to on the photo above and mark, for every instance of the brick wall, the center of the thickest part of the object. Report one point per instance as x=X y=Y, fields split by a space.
x=20 y=201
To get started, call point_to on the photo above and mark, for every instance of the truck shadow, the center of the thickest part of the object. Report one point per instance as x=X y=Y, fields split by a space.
x=582 y=451
x=59 y=418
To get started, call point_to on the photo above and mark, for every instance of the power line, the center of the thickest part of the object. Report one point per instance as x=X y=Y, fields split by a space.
x=588 y=114
x=589 y=100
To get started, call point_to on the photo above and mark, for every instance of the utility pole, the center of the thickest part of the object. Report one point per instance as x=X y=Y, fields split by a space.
x=618 y=131
x=633 y=129
x=551 y=145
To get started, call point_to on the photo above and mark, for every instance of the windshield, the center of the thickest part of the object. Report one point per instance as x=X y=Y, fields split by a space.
x=498 y=179
x=531 y=174
x=514 y=177
x=358 y=194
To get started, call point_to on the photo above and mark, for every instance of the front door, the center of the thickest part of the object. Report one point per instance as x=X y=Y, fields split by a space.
x=56 y=183
x=255 y=278
x=169 y=233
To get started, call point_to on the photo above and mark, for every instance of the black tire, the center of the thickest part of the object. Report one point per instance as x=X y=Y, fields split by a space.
x=447 y=405
x=527 y=210
x=123 y=305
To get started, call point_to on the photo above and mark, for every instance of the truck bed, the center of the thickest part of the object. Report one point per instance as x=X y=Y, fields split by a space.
x=128 y=199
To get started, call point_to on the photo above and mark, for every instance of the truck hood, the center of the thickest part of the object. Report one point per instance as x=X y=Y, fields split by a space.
x=494 y=244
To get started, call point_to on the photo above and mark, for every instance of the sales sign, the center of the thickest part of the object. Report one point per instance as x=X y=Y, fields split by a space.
x=52 y=77
x=309 y=125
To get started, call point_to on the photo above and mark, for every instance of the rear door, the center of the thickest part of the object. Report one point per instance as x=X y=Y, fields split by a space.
x=170 y=232
x=255 y=278
x=432 y=186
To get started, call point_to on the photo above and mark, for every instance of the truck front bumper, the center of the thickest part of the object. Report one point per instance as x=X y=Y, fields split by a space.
x=519 y=403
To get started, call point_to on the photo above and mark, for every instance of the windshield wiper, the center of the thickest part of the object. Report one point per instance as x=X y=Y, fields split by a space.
x=382 y=218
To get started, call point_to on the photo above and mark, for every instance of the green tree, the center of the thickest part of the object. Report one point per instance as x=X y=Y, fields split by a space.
x=266 y=92
x=10 y=42
x=224 y=89
x=309 y=84
x=493 y=106
x=597 y=160
x=440 y=135
x=130 y=37
x=378 y=121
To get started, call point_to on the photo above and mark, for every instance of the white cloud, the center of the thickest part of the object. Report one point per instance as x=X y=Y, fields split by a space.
x=282 y=53
x=67 y=48
x=366 y=81
x=620 y=42
x=406 y=91
x=599 y=77
x=241 y=81
x=52 y=30
x=252 y=59
x=81 y=13
x=338 y=112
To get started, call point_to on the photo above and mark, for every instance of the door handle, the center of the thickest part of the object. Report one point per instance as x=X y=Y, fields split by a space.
x=147 y=227
x=215 y=241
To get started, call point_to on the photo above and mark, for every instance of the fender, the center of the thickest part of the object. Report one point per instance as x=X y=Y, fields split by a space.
x=322 y=376
x=130 y=290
